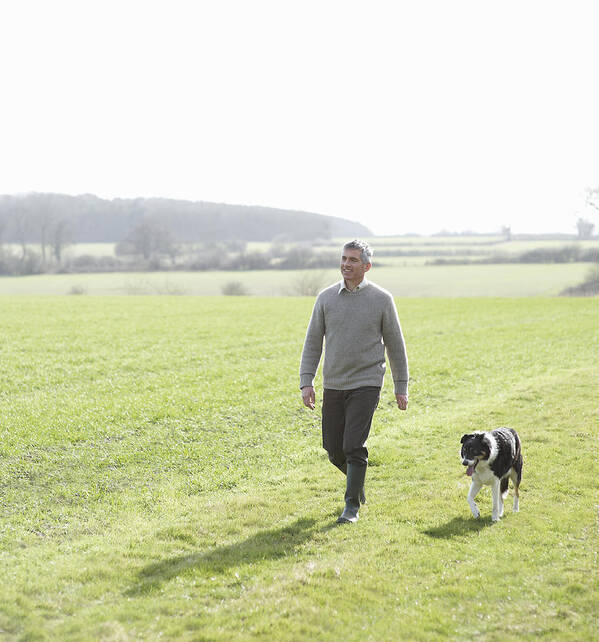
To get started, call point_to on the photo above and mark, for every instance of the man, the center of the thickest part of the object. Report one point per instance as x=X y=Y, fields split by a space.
x=358 y=321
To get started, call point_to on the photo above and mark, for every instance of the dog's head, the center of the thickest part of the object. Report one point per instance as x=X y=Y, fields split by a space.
x=474 y=449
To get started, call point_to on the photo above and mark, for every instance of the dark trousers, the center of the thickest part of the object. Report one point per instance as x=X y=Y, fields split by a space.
x=346 y=420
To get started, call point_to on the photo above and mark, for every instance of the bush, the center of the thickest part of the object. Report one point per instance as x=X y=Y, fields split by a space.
x=301 y=257
x=248 y=261
x=589 y=287
x=31 y=263
x=307 y=284
x=90 y=263
x=564 y=254
x=234 y=288
x=78 y=289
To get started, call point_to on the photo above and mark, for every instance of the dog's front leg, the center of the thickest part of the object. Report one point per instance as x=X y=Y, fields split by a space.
x=473 y=492
x=497 y=501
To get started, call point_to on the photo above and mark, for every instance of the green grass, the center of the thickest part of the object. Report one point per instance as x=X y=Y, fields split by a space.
x=406 y=278
x=160 y=478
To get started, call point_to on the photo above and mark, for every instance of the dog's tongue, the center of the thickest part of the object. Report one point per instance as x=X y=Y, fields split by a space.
x=470 y=471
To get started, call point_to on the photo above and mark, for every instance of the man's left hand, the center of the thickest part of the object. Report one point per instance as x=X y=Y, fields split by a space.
x=402 y=401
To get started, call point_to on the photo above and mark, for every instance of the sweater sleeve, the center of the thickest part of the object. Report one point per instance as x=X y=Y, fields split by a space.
x=312 y=346
x=396 y=348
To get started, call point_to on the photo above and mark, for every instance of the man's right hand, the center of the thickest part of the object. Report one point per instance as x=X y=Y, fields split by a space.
x=309 y=397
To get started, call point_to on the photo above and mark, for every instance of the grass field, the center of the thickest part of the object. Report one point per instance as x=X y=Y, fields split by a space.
x=160 y=478
x=410 y=280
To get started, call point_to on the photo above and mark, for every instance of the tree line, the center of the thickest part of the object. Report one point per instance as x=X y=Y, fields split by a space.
x=152 y=248
x=163 y=234
x=52 y=220
x=149 y=233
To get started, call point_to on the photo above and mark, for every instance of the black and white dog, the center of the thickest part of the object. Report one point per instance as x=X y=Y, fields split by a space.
x=493 y=458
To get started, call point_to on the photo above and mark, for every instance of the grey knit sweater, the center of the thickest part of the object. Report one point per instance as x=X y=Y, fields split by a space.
x=357 y=328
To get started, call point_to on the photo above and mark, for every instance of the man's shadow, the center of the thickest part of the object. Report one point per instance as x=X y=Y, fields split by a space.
x=269 y=544
x=458 y=527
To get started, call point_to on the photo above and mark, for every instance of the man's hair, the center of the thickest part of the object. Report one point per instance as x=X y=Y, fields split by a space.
x=364 y=248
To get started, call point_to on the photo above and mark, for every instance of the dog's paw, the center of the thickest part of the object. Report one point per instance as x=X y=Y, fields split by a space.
x=475 y=513
x=495 y=518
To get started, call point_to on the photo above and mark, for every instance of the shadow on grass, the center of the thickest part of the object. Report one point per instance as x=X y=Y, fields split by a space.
x=458 y=527
x=270 y=544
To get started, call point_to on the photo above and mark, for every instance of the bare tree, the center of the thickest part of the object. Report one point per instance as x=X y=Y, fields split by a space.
x=307 y=283
x=44 y=223
x=60 y=237
x=592 y=197
x=22 y=222
x=585 y=228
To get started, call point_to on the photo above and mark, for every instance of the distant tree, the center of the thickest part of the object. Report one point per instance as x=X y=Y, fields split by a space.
x=43 y=221
x=60 y=235
x=279 y=245
x=235 y=246
x=22 y=224
x=150 y=239
x=585 y=228
x=37 y=218
x=297 y=257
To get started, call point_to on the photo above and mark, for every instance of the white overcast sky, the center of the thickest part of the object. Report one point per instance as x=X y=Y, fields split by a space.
x=406 y=116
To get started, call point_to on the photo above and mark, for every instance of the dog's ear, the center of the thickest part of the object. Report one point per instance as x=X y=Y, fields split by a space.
x=464 y=437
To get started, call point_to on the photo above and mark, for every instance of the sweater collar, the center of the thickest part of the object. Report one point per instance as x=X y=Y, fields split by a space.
x=359 y=287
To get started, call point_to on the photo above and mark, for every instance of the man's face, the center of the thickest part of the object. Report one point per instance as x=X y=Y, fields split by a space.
x=352 y=267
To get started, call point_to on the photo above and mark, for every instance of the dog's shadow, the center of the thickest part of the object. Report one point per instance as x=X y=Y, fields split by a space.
x=458 y=527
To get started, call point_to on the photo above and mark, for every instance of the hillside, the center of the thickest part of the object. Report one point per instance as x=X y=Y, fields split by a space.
x=31 y=218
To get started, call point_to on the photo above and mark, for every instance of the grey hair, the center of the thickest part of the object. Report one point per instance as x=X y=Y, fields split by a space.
x=364 y=248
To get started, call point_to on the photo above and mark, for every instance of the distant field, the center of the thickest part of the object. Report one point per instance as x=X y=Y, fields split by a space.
x=469 y=247
x=405 y=275
x=92 y=249
x=418 y=241
x=409 y=280
x=516 y=247
x=161 y=479
x=76 y=249
x=478 y=245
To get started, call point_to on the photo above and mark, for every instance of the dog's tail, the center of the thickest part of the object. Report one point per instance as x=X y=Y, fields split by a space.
x=503 y=486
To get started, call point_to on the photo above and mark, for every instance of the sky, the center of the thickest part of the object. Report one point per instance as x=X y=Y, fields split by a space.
x=409 y=117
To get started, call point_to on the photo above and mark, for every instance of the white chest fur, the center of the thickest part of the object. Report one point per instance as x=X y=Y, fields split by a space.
x=483 y=474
